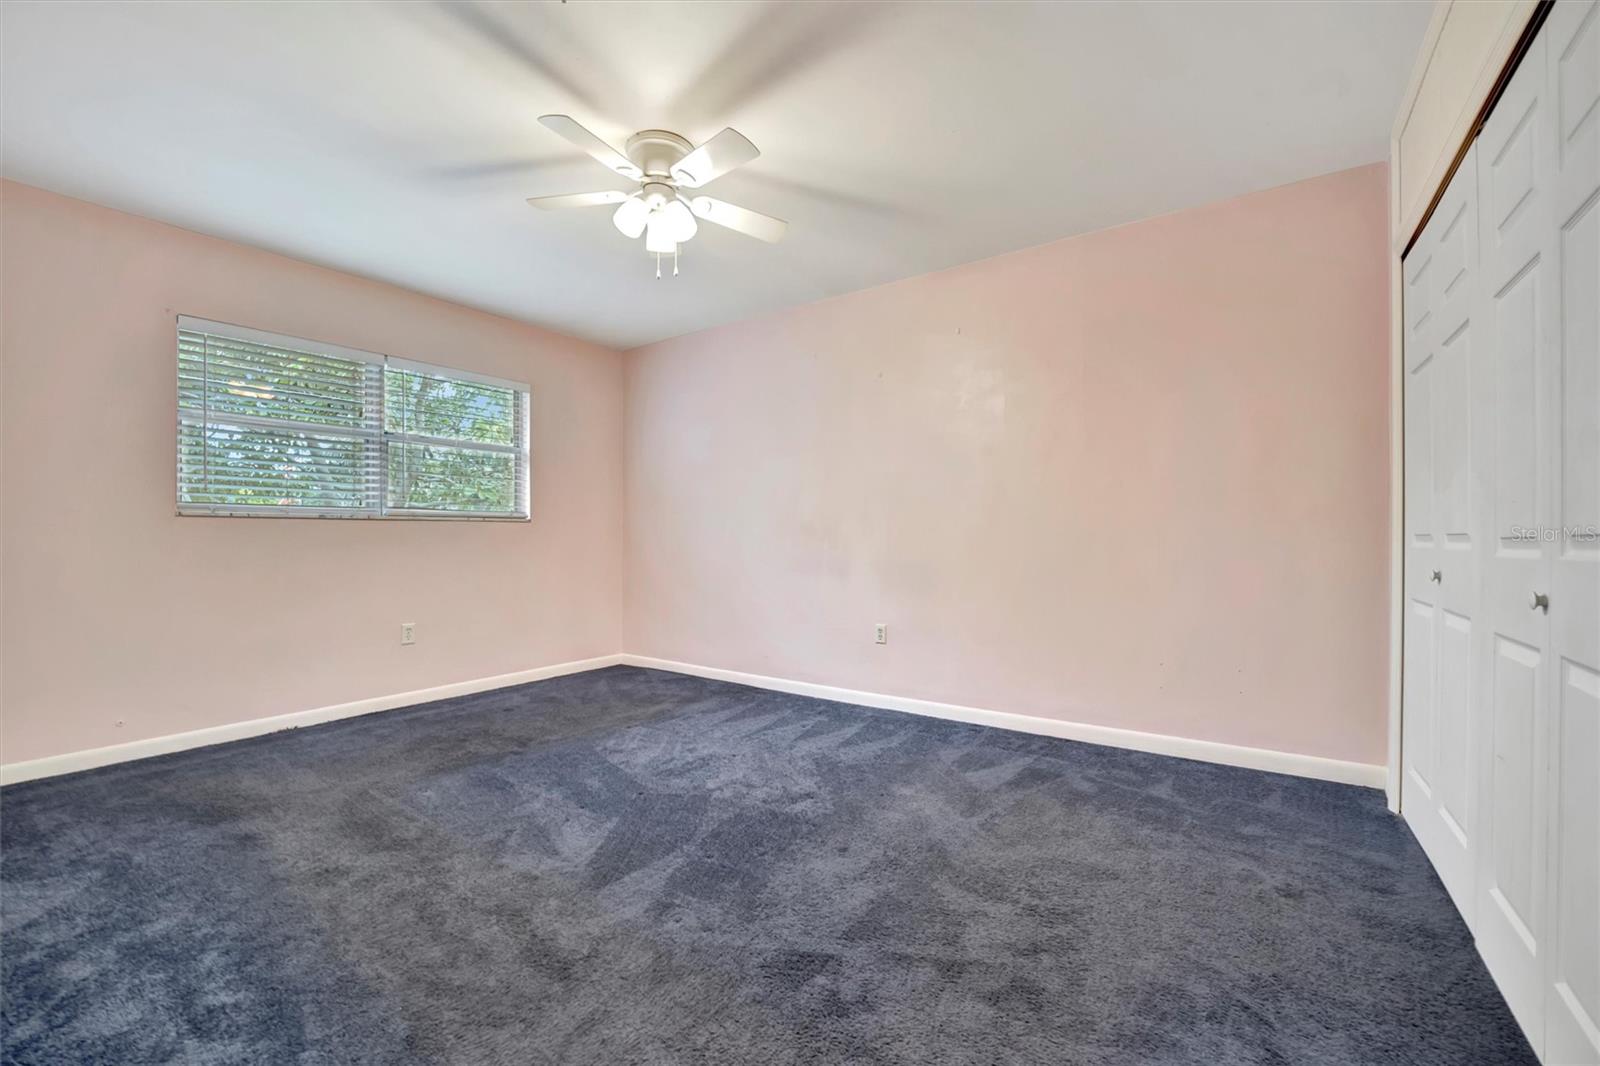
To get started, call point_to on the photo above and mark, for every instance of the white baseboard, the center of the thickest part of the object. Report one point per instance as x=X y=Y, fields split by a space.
x=1280 y=762
x=11 y=773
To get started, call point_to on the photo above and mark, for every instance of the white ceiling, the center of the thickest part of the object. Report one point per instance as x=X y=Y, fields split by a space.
x=399 y=140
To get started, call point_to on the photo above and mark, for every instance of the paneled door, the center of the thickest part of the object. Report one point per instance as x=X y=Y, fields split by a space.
x=1572 y=973
x=1501 y=698
x=1441 y=283
x=1516 y=163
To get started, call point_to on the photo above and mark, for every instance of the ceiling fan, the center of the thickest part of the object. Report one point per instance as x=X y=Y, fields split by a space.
x=665 y=165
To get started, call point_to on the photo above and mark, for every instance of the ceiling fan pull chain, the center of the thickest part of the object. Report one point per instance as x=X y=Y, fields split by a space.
x=658 y=266
x=674 y=262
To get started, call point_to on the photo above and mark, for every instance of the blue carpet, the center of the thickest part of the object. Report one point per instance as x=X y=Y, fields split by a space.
x=629 y=866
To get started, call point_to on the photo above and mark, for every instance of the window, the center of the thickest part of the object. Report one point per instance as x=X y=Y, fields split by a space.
x=271 y=425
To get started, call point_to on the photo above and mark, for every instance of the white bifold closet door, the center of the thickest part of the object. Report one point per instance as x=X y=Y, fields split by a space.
x=1572 y=553
x=1501 y=741
x=1441 y=585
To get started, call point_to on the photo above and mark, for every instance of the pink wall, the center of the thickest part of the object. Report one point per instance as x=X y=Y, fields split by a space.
x=1137 y=478
x=115 y=609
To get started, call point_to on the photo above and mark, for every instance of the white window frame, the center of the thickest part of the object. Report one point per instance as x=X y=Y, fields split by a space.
x=380 y=436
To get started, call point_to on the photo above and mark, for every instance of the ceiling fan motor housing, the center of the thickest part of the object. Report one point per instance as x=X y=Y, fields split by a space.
x=656 y=151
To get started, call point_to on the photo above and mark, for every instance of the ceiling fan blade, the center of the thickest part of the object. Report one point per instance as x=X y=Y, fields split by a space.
x=750 y=223
x=577 y=199
x=715 y=158
x=608 y=156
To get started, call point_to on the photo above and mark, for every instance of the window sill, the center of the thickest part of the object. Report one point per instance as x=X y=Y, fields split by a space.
x=398 y=516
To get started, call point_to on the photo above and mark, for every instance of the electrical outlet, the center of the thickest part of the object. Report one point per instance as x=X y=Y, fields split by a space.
x=408 y=632
x=880 y=633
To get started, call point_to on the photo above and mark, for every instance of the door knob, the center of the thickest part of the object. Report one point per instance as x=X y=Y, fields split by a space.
x=1436 y=577
x=1539 y=602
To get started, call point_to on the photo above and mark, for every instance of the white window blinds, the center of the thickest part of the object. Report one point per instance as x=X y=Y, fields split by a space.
x=455 y=443
x=271 y=425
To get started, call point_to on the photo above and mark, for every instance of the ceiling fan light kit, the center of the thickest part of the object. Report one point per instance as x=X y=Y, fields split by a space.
x=663 y=163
